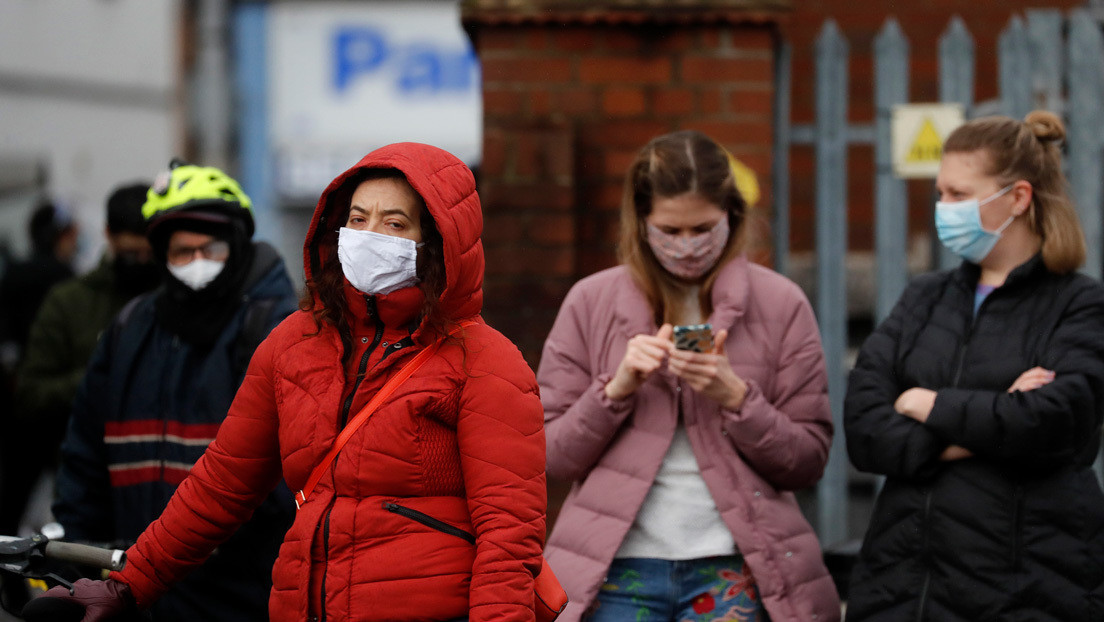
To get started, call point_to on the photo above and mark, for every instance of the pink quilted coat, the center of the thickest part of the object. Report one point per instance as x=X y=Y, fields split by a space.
x=750 y=459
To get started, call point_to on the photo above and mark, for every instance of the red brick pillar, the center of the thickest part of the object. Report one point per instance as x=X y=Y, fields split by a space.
x=572 y=90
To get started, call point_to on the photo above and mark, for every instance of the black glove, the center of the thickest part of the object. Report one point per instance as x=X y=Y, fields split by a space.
x=96 y=600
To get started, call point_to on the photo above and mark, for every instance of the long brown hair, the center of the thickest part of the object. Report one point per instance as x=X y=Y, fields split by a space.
x=324 y=297
x=1029 y=150
x=670 y=166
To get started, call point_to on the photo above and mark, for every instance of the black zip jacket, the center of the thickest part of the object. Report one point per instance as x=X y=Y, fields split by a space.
x=140 y=421
x=1017 y=531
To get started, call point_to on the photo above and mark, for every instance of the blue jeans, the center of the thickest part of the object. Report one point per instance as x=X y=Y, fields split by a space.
x=710 y=589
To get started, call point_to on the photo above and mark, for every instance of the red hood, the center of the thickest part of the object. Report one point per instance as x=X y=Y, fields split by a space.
x=448 y=189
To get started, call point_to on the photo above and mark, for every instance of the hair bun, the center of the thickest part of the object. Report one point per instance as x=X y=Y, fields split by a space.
x=1045 y=125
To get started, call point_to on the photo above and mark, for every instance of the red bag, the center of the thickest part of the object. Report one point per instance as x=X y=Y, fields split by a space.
x=550 y=599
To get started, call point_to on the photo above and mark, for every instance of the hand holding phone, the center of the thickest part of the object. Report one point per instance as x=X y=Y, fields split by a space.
x=710 y=375
x=644 y=354
x=694 y=337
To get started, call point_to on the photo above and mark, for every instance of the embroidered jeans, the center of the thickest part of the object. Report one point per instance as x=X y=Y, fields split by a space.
x=710 y=589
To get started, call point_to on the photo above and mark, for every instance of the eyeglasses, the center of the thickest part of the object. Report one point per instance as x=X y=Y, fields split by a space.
x=216 y=250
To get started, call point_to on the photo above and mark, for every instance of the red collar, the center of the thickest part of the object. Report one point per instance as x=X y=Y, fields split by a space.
x=400 y=308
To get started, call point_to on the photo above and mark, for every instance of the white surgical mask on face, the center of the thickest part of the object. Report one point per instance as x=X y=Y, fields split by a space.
x=376 y=263
x=197 y=273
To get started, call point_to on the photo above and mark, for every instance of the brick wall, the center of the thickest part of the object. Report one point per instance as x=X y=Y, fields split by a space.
x=570 y=96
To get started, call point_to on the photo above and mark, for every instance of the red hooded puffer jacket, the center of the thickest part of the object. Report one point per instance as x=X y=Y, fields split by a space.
x=458 y=448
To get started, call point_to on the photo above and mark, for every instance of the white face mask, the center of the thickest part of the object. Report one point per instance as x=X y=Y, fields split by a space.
x=376 y=263
x=198 y=273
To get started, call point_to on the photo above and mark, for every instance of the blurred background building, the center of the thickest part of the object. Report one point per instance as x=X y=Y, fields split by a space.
x=91 y=94
x=547 y=100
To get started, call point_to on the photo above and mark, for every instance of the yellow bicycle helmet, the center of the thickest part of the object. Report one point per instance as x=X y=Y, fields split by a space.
x=196 y=192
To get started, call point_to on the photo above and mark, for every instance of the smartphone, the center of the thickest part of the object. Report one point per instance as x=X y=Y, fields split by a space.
x=695 y=337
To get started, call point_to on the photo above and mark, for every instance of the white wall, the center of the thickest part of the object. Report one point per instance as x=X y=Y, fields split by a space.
x=88 y=87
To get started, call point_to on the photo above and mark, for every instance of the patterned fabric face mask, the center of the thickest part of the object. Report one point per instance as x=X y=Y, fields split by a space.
x=689 y=257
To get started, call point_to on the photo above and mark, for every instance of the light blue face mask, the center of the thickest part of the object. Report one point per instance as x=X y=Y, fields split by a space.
x=958 y=225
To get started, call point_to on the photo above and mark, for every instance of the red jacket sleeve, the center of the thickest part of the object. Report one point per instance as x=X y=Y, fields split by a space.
x=233 y=477
x=501 y=437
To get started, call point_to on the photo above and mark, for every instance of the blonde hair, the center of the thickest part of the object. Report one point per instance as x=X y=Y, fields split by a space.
x=1029 y=150
x=671 y=165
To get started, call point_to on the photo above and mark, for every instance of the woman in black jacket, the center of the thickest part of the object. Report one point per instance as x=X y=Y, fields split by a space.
x=980 y=398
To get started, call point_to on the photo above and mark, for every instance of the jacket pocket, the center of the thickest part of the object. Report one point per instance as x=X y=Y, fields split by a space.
x=428 y=521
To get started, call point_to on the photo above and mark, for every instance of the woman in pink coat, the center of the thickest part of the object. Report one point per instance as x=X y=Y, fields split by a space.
x=683 y=462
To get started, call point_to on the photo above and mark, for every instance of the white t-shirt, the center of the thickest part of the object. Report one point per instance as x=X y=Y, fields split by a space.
x=679 y=519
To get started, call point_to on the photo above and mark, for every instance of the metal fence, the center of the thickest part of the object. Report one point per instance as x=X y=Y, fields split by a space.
x=1050 y=61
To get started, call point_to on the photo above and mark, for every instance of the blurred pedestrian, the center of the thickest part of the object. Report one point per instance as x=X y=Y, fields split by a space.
x=684 y=462
x=979 y=398
x=66 y=328
x=161 y=380
x=434 y=509
x=53 y=234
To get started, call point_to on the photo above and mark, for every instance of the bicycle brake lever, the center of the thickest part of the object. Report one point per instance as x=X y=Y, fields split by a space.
x=61 y=581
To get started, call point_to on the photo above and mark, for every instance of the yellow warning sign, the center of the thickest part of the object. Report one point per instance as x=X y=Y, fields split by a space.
x=928 y=145
x=917 y=132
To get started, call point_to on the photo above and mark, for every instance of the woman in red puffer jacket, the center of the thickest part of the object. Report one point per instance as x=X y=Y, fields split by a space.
x=435 y=508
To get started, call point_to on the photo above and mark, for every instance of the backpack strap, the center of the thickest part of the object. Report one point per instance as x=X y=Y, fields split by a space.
x=255 y=327
x=122 y=318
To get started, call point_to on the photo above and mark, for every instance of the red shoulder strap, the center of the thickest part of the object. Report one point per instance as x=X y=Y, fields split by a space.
x=357 y=421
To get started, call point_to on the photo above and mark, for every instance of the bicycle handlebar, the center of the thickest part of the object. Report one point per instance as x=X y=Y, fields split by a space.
x=108 y=559
x=18 y=555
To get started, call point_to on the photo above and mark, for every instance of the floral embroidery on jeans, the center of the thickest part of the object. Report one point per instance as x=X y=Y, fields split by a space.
x=730 y=585
x=713 y=589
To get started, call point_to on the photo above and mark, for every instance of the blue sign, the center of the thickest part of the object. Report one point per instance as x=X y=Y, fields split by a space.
x=416 y=68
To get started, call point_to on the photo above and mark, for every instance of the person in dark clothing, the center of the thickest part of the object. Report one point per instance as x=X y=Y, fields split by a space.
x=60 y=343
x=53 y=235
x=979 y=398
x=24 y=284
x=161 y=381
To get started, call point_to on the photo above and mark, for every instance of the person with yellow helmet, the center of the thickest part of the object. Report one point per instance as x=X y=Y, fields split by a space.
x=200 y=225
x=161 y=381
